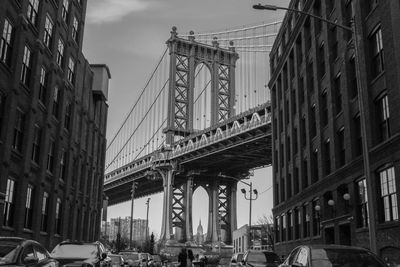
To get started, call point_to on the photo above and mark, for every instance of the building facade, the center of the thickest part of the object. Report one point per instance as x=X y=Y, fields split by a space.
x=140 y=230
x=320 y=190
x=53 y=116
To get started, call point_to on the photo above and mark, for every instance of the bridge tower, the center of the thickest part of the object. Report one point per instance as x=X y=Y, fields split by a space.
x=185 y=56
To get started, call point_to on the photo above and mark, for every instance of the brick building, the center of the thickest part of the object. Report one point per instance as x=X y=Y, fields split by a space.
x=319 y=184
x=53 y=115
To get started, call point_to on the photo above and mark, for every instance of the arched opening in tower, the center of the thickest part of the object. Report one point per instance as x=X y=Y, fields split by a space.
x=202 y=97
x=200 y=215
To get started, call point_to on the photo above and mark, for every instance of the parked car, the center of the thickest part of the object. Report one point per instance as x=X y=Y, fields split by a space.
x=144 y=259
x=116 y=260
x=258 y=258
x=15 y=251
x=79 y=253
x=236 y=260
x=331 y=255
x=155 y=261
x=131 y=258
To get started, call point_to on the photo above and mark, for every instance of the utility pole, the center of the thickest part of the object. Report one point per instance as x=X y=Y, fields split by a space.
x=131 y=220
x=147 y=220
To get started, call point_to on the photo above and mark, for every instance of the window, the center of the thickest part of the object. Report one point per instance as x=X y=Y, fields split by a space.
x=297 y=220
x=310 y=77
x=290 y=222
x=42 y=85
x=327 y=156
x=295 y=143
x=305 y=173
x=313 y=130
x=2 y=106
x=6 y=43
x=305 y=221
x=50 y=156
x=317 y=12
x=362 y=204
x=56 y=102
x=9 y=205
x=45 y=204
x=316 y=218
x=338 y=95
x=301 y=90
x=28 y=207
x=324 y=114
x=314 y=165
x=377 y=57
x=58 y=216
x=26 y=67
x=329 y=6
x=36 y=144
x=71 y=70
x=357 y=136
x=353 y=91
x=75 y=30
x=63 y=165
x=341 y=147
x=277 y=227
x=284 y=224
x=294 y=102
x=382 y=106
x=32 y=13
x=288 y=144
x=321 y=57
x=371 y=4
x=333 y=42
x=60 y=52
x=389 y=195
x=64 y=10
x=18 y=130
x=48 y=32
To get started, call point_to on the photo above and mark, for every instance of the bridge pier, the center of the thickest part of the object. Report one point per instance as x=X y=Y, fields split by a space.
x=166 y=226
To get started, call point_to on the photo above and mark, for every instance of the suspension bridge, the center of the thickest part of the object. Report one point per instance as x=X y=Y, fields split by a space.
x=202 y=119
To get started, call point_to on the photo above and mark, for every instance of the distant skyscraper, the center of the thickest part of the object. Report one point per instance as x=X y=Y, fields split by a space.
x=199 y=238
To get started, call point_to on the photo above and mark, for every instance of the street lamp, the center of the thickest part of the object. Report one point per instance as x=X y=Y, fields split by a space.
x=131 y=220
x=363 y=119
x=251 y=192
x=147 y=219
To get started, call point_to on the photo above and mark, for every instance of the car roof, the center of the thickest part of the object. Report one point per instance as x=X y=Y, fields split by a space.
x=333 y=246
x=18 y=240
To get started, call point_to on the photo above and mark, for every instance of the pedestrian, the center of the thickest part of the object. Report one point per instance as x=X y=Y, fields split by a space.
x=182 y=258
x=190 y=258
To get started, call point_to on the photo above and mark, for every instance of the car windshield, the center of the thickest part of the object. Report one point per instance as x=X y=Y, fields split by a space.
x=130 y=256
x=8 y=252
x=115 y=259
x=262 y=258
x=77 y=251
x=329 y=257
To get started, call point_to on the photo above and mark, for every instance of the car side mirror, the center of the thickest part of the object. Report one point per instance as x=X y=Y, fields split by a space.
x=31 y=260
x=103 y=255
x=233 y=261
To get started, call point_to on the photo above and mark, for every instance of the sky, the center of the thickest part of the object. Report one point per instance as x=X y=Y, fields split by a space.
x=129 y=36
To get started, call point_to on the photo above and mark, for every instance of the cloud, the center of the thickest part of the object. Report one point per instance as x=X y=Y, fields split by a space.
x=105 y=11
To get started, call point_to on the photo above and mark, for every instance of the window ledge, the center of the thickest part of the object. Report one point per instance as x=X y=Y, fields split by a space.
x=389 y=224
x=29 y=231
x=8 y=228
x=374 y=80
x=43 y=233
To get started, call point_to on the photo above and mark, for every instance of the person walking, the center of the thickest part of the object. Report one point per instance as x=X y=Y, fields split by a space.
x=190 y=258
x=182 y=258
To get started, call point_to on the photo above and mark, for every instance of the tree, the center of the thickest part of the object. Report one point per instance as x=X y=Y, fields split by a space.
x=151 y=248
x=267 y=229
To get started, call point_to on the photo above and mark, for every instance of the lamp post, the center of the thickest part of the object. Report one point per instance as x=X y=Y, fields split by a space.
x=147 y=219
x=131 y=220
x=250 y=198
x=363 y=119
